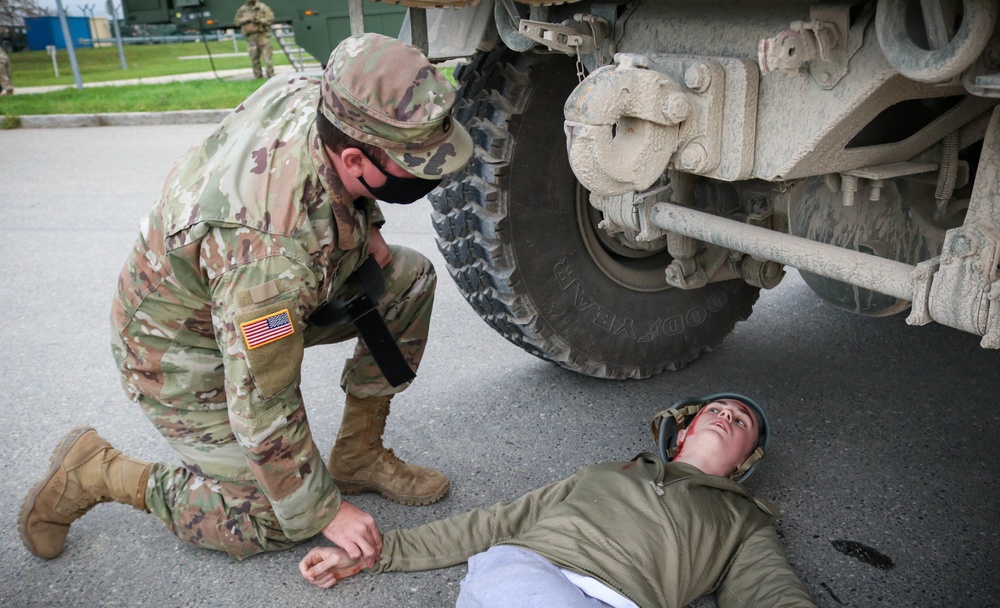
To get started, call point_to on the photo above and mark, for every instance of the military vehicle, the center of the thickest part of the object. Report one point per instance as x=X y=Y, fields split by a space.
x=644 y=168
x=13 y=38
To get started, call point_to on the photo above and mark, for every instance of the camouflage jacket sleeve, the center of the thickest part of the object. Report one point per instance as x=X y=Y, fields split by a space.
x=266 y=17
x=242 y=16
x=257 y=309
x=375 y=217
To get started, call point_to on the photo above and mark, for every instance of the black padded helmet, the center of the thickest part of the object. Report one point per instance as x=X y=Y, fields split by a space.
x=668 y=423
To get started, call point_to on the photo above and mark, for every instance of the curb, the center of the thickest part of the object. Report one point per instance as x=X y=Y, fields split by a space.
x=123 y=119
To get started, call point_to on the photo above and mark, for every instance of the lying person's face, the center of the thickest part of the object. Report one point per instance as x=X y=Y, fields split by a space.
x=726 y=429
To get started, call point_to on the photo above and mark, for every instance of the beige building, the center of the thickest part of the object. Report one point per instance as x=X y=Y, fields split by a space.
x=100 y=29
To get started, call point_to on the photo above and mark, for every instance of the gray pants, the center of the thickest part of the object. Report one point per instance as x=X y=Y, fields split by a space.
x=510 y=576
x=259 y=48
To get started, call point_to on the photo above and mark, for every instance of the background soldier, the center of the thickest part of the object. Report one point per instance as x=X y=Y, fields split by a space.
x=259 y=231
x=6 y=86
x=254 y=20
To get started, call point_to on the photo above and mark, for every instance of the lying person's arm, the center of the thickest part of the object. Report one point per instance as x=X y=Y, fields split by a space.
x=760 y=575
x=451 y=541
x=442 y=543
x=324 y=566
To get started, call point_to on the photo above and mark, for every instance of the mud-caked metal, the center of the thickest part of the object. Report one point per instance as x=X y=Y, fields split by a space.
x=622 y=126
x=699 y=149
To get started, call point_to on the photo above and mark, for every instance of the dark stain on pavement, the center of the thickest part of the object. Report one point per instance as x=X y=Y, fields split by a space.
x=868 y=555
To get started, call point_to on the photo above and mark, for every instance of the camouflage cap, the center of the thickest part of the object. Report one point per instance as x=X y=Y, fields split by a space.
x=384 y=92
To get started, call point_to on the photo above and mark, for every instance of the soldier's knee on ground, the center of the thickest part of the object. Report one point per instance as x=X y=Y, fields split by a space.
x=231 y=517
x=238 y=536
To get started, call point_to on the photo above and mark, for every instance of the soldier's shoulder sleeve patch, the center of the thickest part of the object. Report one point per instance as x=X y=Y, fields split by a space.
x=273 y=344
x=267 y=329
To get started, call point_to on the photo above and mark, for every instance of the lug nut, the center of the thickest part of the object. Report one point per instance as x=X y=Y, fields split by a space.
x=676 y=108
x=693 y=157
x=698 y=77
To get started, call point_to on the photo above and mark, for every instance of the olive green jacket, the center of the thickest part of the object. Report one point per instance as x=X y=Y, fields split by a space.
x=660 y=534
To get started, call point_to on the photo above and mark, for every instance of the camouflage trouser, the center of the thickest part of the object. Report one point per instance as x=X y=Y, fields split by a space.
x=232 y=515
x=259 y=47
x=5 y=83
x=406 y=307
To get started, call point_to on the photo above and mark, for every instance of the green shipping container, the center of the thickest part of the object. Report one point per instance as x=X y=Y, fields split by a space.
x=319 y=24
x=330 y=22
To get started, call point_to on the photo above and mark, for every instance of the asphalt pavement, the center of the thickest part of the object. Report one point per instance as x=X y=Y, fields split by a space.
x=884 y=455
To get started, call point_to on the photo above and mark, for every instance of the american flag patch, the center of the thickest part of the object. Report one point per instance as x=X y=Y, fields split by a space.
x=267 y=329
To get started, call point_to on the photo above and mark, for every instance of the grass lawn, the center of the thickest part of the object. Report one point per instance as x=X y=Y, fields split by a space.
x=191 y=95
x=34 y=68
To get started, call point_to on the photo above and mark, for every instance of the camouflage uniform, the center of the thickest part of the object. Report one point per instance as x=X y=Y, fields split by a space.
x=255 y=22
x=254 y=233
x=255 y=224
x=420 y=136
x=6 y=86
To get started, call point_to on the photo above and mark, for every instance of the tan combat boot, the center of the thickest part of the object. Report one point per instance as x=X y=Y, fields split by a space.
x=359 y=463
x=85 y=470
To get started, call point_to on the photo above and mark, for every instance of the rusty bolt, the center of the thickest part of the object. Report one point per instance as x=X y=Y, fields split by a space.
x=848 y=186
x=676 y=108
x=963 y=245
x=876 y=191
x=698 y=77
x=693 y=157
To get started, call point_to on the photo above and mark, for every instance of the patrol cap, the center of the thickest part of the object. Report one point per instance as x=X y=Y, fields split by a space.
x=384 y=92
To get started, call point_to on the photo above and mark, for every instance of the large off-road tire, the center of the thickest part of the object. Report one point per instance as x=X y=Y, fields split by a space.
x=521 y=240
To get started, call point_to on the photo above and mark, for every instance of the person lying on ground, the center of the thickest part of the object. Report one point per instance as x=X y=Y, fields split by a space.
x=649 y=532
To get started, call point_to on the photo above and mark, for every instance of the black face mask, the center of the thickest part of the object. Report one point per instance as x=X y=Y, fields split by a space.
x=398 y=190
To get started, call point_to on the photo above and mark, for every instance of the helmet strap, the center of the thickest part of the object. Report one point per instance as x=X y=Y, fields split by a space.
x=751 y=460
x=680 y=416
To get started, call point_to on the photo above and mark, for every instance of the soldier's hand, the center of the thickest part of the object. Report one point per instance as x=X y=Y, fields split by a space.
x=324 y=566
x=355 y=532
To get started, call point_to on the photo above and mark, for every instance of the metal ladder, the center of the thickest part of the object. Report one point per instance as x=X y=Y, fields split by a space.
x=297 y=56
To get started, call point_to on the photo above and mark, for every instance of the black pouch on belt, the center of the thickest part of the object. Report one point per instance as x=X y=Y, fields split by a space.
x=360 y=310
